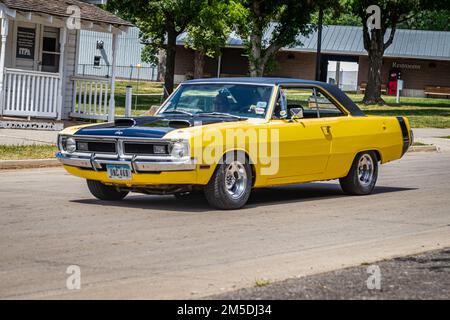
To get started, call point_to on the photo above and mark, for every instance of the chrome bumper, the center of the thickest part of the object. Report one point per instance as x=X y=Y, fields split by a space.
x=137 y=164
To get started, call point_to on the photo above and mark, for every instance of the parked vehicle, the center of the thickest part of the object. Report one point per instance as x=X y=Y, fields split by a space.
x=224 y=137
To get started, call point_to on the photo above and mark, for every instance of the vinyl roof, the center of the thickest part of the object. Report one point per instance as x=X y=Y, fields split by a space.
x=348 y=40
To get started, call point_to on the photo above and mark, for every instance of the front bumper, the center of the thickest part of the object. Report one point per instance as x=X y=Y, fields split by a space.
x=138 y=164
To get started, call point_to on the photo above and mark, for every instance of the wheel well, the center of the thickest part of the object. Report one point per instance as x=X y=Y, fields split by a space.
x=250 y=162
x=377 y=154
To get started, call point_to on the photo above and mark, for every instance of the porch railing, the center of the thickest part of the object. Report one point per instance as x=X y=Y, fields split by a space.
x=90 y=98
x=30 y=93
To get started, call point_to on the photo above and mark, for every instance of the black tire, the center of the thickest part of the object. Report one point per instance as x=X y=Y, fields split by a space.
x=216 y=191
x=104 y=192
x=359 y=181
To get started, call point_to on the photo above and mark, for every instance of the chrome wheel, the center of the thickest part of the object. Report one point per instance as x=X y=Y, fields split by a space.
x=235 y=179
x=365 y=170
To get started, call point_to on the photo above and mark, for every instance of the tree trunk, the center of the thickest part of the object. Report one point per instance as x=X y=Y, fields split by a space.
x=256 y=67
x=170 y=62
x=161 y=65
x=372 y=94
x=199 y=64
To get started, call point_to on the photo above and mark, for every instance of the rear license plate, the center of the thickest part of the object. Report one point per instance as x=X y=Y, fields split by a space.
x=118 y=171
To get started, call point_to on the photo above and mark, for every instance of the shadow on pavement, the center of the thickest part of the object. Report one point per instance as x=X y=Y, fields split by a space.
x=259 y=197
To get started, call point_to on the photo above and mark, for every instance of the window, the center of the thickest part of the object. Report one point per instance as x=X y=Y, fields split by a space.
x=242 y=100
x=50 y=49
x=313 y=102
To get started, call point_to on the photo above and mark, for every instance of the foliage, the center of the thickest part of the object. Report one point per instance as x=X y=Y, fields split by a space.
x=283 y=19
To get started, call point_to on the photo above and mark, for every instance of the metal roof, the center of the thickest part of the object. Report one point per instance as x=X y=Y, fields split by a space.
x=348 y=40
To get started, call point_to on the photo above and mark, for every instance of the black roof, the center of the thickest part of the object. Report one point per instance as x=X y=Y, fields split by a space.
x=332 y=89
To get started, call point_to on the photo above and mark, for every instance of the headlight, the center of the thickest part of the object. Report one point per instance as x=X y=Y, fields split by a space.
x=179 y=149
x=71 y=145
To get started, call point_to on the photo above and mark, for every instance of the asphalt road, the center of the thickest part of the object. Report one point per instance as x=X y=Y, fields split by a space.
x=159 y=247
x=423 y=276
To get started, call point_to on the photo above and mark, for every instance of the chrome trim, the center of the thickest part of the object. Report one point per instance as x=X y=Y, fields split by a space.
x=138 y=164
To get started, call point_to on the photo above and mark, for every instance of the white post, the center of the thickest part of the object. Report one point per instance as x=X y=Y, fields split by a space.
x=112 y=103
x=62 y=78
x=128 y=99
x=219 y=65
x=4 y=35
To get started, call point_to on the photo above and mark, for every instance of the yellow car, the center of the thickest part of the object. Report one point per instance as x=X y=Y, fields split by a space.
x=224 y=137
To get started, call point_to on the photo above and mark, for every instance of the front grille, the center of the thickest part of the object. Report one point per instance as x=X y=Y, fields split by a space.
x=145 y=148
x=94 y=146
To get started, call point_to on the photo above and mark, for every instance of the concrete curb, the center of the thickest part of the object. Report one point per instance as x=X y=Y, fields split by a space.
x=28 y=164
x=431 y=148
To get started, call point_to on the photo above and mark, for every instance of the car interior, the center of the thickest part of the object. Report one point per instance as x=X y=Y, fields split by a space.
x=311 y=102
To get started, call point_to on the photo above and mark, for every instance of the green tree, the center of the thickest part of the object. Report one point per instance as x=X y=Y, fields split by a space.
x=208 y=33
x=160 y=23
x=253 y=18
x=376 y=40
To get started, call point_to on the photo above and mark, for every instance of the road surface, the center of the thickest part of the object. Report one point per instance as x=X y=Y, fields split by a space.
x=159 y=247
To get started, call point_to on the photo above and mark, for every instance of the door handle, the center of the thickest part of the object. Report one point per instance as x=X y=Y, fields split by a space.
x=326 y=130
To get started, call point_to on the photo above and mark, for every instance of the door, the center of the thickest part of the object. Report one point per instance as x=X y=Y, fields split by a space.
x=305 y=139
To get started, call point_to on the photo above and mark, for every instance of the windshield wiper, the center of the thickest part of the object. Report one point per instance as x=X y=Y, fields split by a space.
x=220 y=114
x=178 y=111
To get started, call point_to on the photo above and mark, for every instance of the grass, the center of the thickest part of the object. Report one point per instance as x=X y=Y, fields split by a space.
x=20 y=152
x=262 y=282
x=447 y=137
x=140 y=104
x=421 y=112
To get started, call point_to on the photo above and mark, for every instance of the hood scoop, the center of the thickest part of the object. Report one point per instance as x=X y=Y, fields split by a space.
x=179 y=124
x=124 y=122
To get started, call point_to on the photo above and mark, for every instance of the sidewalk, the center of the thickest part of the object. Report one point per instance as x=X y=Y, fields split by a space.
x=27 y=137
x=433 y=136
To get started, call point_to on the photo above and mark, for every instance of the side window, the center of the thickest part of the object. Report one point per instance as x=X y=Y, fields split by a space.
x=313 y=103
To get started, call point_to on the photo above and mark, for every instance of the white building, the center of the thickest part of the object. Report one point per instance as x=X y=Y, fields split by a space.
x=38 y=60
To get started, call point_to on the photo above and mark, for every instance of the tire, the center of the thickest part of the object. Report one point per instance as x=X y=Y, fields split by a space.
x=231 y=184
x=104 y=192
x=362 y=176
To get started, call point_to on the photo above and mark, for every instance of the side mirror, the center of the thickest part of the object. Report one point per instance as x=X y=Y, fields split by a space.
x=296 y=113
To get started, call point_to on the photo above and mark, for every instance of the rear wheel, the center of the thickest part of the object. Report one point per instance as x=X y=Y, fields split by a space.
x=362 y=176
x=231 y=184
x=104 y=192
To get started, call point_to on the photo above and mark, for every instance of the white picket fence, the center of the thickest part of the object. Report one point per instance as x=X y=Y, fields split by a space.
x=30 y=93
x=90 y=98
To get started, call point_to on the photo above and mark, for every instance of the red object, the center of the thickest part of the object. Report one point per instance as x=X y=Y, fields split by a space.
x=392 y=84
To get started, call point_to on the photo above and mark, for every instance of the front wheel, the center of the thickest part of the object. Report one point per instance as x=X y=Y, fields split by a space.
x=104 y=192
x=231 y=184
x=362 y=176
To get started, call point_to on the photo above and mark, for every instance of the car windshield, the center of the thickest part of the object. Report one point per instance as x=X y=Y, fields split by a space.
x=234 y=100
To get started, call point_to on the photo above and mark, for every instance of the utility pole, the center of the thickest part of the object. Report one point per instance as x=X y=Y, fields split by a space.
x=319 y=44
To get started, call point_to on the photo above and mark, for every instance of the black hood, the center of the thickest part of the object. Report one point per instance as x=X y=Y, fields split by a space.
x=150 y=127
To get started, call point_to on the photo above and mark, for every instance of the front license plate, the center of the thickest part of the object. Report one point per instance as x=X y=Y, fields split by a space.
x=118 y=171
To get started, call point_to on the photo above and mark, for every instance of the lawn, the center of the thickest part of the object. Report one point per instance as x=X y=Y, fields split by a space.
x=19 y=152
x=422 y=112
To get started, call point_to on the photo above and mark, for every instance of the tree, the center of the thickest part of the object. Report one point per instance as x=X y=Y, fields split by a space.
x=254 y=18
x=208 y=33
x=392 y=14
x=160 y=23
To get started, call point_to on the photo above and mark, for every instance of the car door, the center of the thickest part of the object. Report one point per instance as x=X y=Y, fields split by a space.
x=305 y=143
